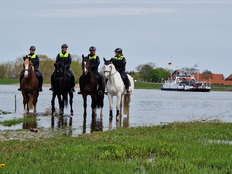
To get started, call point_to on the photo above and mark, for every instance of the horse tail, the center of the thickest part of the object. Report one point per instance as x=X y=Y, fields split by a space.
x=125 y=104
x=99 y=100
x=30 y=101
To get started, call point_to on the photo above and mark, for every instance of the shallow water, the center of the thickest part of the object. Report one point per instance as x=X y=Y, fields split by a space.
x=148 y=107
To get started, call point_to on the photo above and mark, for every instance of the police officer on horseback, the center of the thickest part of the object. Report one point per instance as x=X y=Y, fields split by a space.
x=35 y=61
x=119 y=62
x=94 y=63
x=65 y=58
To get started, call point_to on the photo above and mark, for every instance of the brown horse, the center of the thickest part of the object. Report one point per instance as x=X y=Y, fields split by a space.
x=29 y=86
x=89 y=86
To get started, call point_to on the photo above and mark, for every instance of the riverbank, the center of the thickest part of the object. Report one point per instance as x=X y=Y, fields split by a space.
x=188 y=147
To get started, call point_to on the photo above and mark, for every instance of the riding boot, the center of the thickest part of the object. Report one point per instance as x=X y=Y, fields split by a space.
x=40 y=78
x=20 y=79
x=127 y=87
x=80 y=79
x=52 y=79
x=100 y=86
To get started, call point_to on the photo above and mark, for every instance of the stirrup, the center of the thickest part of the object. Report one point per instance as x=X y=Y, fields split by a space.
x=19 y=89
x=40 y=89
x=80 y=92
x=72 y=90
x=127 y=91
x=51 y=89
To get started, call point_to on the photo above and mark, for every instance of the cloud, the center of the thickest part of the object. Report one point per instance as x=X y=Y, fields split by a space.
x=85 y=12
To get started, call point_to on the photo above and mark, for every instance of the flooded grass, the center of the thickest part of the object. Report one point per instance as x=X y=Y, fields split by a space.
x=141 y=85
x=176 y=148
x=4 y=112
x=16 y=121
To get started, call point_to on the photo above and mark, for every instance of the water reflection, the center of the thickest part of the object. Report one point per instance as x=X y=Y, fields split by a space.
x=96 y=124
x=31 y=124
x=122 y=122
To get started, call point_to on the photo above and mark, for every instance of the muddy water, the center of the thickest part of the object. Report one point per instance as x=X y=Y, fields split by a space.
x=149 y=107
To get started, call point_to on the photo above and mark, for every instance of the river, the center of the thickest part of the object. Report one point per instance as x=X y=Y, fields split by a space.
x=148 y=107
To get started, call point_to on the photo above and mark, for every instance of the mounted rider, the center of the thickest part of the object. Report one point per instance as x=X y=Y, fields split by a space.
x=94 y=62
x=65 y=58
x=119 y=62
x=35 y=61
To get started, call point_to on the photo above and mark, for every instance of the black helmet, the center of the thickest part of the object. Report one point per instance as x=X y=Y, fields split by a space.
x=64 y=46
x=92 y=48
x=32 y=48
x=118 y=50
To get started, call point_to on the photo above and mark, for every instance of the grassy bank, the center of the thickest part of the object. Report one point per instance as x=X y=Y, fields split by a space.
x=8 y=81
x=15 y=81
x=174 y=148
x=141 y=85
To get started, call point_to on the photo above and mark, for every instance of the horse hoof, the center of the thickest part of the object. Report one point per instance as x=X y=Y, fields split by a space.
x=71 y=113
x=117 y=118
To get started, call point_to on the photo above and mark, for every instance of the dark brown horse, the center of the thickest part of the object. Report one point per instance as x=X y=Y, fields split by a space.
x=89 y=86
x=29 y=86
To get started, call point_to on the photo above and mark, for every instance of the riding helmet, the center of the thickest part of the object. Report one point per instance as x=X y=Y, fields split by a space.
x=118 y=50
x=64 y=46
x=32 y=48
x=92 y=48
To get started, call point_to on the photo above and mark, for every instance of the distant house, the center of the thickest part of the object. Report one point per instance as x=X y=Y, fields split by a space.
x=228 y=80
x=216 y=79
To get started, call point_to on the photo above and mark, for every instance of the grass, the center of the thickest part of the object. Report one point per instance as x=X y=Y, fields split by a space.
x=16 y=121
x=15 y=81
x=176 y=148
x=4 y=112
x=8 y=81
x=141 y=85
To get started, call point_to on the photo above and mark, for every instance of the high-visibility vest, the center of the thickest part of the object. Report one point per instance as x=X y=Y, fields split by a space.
x=32 y=57
x=118 y=58
x=93 y=57
x=63 y=55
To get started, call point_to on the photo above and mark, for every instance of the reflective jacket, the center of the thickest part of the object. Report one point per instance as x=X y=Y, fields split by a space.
x=119 y=63
x=34 y=60
x=94 y=62
x=64 y=58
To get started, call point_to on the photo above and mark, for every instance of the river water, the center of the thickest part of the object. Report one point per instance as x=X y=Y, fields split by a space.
x=148 y=107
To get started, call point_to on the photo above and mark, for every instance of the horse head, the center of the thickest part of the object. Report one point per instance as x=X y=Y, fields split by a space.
x=59 y=69
x=109 y=68
x=28 y=68
x=85 y=65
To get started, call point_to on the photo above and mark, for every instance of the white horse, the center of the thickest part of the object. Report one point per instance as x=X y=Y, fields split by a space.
x=116 y=87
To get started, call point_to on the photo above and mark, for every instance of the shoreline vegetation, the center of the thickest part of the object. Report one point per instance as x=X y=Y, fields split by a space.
x=138 y=85
x=186 y=147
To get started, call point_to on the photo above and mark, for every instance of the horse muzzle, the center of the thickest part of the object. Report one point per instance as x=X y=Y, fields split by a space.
x=26 y=74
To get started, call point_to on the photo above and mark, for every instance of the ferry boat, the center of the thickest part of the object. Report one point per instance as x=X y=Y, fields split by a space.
x=183 y=81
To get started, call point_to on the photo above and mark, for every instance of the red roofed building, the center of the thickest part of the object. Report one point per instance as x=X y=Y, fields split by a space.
x=228 y=80
x=216 y=79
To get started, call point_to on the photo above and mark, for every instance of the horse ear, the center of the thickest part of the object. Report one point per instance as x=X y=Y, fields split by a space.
x=83 y=56
x=24 y=58
x=29 y=59
x=54 y=64
x=104 y=59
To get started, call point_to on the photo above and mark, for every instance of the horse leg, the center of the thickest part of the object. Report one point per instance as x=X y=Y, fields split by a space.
x=53 y=102
x=119 y=98
x=93 y=105
x=84 y=104
x=70 y=102
x=101 y=114
x=35 y=96
x=121 y=108
x=110 y=97
x=24 y=102
x=62 y=106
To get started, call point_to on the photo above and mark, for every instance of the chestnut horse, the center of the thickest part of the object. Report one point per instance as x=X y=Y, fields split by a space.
x=89 y=86
x=29 y=86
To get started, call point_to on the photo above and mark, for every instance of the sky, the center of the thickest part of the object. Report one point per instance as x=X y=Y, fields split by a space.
x=185 y=32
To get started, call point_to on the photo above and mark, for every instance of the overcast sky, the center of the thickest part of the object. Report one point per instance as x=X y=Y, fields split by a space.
x=190 y=31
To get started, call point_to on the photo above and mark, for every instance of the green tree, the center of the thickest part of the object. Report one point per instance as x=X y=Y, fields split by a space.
x=76 y=67
x=154 y=75
x=46 y=66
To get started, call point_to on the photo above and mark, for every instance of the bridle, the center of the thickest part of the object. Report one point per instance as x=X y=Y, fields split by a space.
x=110 y=74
